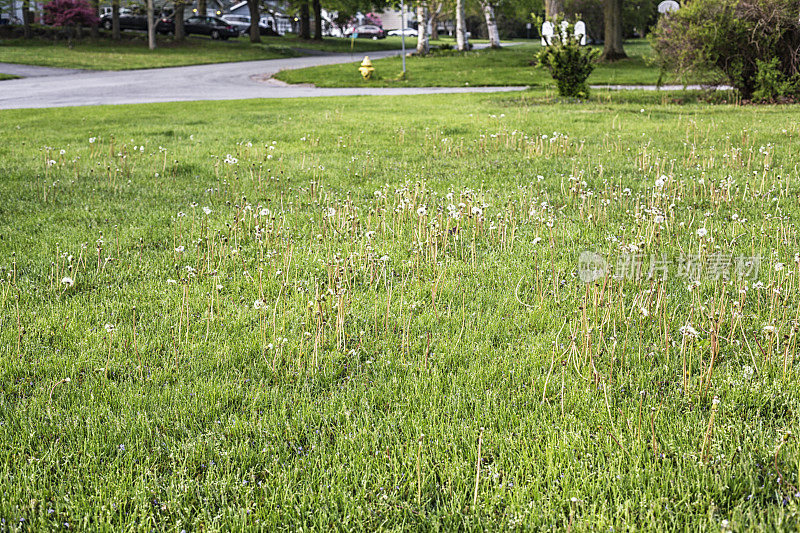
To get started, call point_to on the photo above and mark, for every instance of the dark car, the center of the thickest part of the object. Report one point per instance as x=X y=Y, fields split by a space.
x=214 y=27
x=128 y=20
x=132 y=20
x=263 y=30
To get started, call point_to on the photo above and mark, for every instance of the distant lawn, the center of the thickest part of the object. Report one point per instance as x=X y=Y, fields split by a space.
x=509 y=66
x=132 y=52
x=7 y=77
x=336 y=44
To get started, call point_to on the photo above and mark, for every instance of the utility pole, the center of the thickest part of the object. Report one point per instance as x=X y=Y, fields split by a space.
x=403 y=33
x=151 y=25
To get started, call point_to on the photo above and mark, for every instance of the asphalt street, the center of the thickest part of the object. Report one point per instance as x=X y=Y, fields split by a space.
x=51 y=87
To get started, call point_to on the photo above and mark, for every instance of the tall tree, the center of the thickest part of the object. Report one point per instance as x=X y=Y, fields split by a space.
x=96 y=10
x=317 y=20
x=553 y=8
x=491 y=23
x=422 y=28
x=116 y=34
x=255 y=17
x=202 y=8
x=612 y=16
x=151 y=25
x=27 y=18
x=180 y=32
x=461 y=26
x=435 y=7
x=305 y=22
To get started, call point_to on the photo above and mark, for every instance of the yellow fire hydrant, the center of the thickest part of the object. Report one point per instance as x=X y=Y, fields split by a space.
x=366 y=68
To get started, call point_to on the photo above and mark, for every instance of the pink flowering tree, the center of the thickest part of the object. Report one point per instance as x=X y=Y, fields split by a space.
x=372 y=18
x=69 y=14
x=369 y=18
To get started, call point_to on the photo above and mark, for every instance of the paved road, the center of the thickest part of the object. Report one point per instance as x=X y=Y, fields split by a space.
x=47 y=87
x=31 y=71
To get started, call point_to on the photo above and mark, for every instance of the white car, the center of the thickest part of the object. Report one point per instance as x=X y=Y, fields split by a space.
x=368 y=31
x=408 y=32
x=240 y=22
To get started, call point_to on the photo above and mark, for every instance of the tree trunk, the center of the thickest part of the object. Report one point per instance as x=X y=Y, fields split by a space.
x=202 y=8
x=27 y=18
x=180 y=33
x=461 y=28
x=151 y=25
x=552 y=9
x=491 y=24
x=422 y=29
x=317 y=20
x=116 y=34
x=255 y=17
x=433 y=22
x=305 y=22
x=96 y=10
x=612 y=16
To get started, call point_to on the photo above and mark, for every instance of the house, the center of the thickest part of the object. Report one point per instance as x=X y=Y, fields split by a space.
x=391 y=18
x=214 y=8
x=272 y=14
x=14 y=11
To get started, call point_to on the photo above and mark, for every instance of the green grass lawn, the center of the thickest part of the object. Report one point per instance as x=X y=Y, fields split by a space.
x=509 y=66
x=132 y=52
x=334 y=44
x=366 y=313
x=7 y=77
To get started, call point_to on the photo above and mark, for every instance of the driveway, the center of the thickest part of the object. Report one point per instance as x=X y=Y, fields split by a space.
x=48 y=87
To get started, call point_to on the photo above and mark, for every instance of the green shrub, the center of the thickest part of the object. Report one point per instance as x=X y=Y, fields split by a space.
x=569 y=63
x=773 y=84
x=752 y=45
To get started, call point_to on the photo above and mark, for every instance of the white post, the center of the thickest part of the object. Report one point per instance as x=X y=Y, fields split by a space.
x=403 y=32
x=151 y=25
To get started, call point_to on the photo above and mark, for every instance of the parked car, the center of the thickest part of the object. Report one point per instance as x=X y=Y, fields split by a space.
x=214 y=27
x=133 y=20
x=265 y=28
x=240 y=22
x=128 y=20
x=367 y=31
x=408 y=32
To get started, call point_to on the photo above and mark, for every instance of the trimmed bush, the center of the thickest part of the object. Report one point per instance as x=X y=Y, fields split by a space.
x=569 y=63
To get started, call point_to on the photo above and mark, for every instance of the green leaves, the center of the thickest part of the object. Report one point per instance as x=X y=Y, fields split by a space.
x=569 y=63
